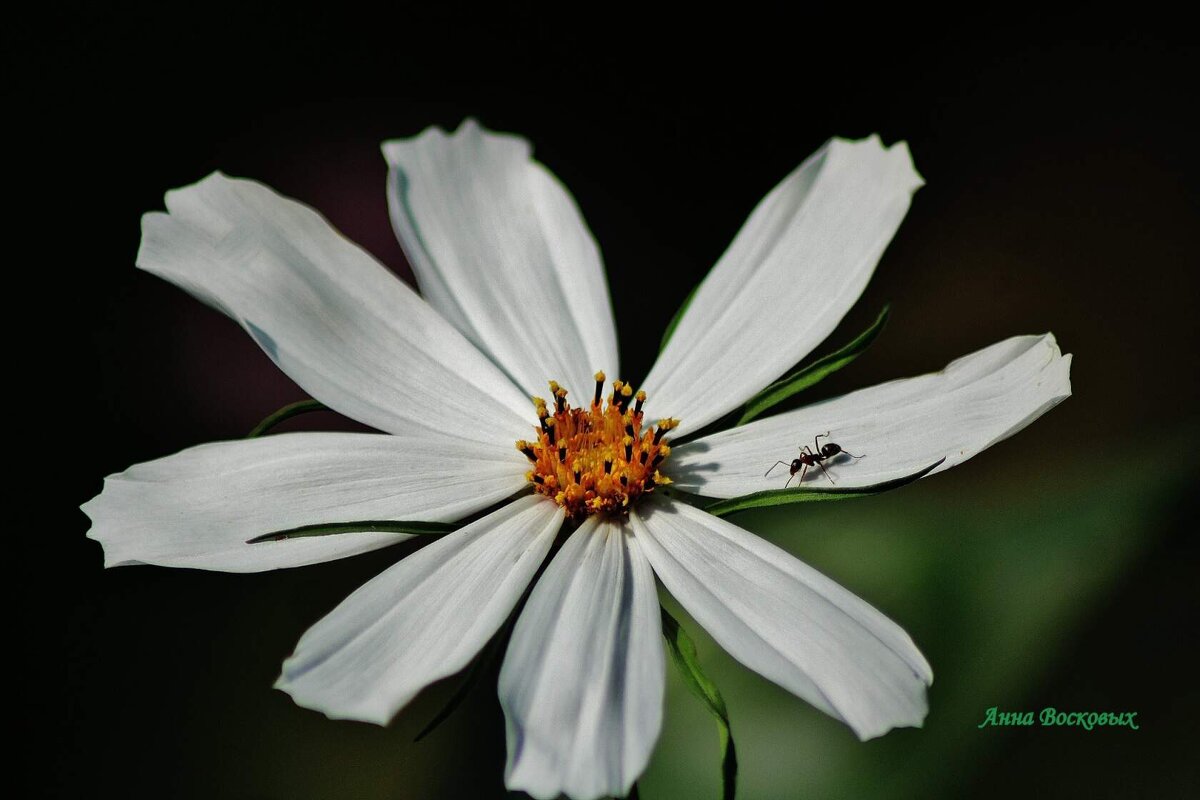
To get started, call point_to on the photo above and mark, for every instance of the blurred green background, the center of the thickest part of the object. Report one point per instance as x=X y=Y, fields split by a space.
x=1055 y=569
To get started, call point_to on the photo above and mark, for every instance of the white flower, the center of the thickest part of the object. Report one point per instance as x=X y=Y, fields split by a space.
x=514 y=295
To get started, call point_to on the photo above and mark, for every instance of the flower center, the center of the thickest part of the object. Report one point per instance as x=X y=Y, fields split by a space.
x=599 y=459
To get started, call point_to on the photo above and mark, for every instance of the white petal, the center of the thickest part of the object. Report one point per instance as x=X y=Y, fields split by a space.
x=423 y=619
x=199 y=507
x=795 y=268
x=898 y=428
x=500 y=249
x=786 y=621
x=335 y=320
x=582 y=682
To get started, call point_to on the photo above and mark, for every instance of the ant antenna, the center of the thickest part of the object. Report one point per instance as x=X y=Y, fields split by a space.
x=852 y=454
x=773 y=466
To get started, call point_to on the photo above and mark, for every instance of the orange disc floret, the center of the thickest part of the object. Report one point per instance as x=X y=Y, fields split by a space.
x=597 y=459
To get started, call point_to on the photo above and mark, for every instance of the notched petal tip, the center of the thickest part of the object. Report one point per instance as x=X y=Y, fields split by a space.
x=102 y=528
x=919 y=712
x=178 y=198
x=895 y=157
x=1057 y=371
x=1067 y=360
x=380 y=714
x=875 y=732
x=435 y=138
x=904 y=154
x=371 y=716
x=873 y=728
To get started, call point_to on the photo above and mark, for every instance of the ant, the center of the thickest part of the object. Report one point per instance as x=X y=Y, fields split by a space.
x=812 y=457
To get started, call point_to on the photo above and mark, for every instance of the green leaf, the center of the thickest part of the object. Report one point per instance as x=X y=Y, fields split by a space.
x=285 y=413
x=683 y=653
x=666 y=337
x=780 y=497
x=814 y=373
x=369 y=526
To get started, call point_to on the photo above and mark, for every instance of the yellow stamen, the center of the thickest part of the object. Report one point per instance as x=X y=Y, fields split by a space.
x=598 y=459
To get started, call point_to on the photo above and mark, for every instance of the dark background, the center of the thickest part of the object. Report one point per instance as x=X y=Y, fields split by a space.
x=1055 y=569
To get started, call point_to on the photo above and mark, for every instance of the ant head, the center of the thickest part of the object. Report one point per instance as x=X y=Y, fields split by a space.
x=830 y=450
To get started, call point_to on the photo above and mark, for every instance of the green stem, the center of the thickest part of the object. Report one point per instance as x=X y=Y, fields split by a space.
x=369 y=526
x=285 y=413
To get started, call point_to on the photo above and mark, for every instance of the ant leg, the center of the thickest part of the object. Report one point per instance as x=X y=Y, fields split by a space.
x=822 y=466
x=816 y=446
x=789 y=480
x=803 y=472
x=773 y=466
